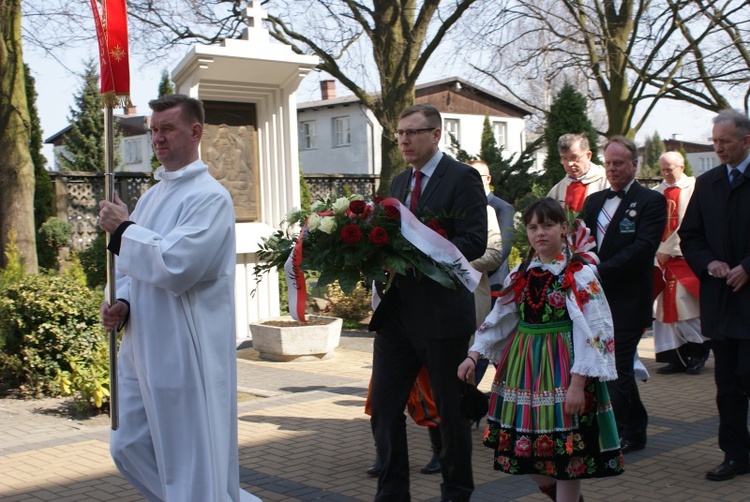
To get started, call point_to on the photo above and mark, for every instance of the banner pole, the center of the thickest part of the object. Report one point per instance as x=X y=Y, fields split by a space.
x=109 y=195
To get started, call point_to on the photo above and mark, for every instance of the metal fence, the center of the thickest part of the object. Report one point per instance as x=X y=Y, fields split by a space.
x=78 y=195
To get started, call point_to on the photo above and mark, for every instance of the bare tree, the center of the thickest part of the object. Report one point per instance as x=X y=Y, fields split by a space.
x=632 y=53
x=396 y=37
x=16 y=165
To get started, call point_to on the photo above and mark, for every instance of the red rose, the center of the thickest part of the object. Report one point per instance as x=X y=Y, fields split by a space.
x=366 y=212
x=442 y=233
x=351 y=234
x=378 y=199
x=378 y=236
x=392 y=211
x=357 y=206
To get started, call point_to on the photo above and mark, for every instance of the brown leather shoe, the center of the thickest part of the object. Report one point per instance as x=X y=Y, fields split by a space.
x=727 y=470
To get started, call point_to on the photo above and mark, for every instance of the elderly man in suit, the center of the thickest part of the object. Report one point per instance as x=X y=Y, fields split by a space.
x=419 y=322
x=715 y=237
x=627 y=222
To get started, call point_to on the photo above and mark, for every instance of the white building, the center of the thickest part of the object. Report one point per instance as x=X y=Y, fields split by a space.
x=135 y=142
x=338 y=135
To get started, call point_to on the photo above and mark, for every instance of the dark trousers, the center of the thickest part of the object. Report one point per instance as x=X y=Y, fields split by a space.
x=397 y=358
x=630 y=414
x=732 y=374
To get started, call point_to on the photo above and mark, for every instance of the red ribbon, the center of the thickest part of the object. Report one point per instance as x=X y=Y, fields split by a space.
x=112 y=33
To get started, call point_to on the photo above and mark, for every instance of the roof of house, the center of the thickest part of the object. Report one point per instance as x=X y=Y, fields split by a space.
x=129 y=125
x=424 y=91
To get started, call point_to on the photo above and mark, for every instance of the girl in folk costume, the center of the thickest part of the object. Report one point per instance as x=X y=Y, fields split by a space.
x=551 y=331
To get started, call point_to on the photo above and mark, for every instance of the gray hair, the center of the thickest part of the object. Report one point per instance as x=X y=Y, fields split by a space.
x=566 y=141
x=739 y=119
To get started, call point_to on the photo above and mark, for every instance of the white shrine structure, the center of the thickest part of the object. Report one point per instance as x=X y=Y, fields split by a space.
x=252 y=71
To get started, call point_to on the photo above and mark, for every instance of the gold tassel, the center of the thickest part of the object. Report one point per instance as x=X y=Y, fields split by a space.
x=113 y=100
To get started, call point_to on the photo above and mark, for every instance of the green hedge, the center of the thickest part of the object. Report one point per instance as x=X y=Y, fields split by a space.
x=47 y=322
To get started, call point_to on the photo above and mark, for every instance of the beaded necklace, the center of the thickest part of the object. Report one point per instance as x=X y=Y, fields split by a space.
x=541 y=292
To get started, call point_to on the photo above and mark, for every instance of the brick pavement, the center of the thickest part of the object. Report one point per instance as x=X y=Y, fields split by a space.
x=303 y=436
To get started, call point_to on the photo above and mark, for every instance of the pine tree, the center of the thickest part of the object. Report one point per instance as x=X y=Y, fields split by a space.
x=511 y=179
x=84 y=142
x=688 y=168
x=566 y=115
x=44 y=193
x=165 y=85
x=488 y=150
x=652 y=150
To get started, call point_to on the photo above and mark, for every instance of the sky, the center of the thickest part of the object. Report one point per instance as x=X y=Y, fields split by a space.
x=57 y=86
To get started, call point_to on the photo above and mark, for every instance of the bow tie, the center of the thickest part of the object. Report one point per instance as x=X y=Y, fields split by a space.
x=612 y=194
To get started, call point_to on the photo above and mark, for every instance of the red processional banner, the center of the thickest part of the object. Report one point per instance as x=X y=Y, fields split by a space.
x=110 y=17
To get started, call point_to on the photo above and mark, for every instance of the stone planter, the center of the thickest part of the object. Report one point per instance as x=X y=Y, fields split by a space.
x=297 y=343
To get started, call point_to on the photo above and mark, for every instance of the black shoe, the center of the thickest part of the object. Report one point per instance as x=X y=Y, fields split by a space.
x=631 y=446
x=671 y=368
x=694 y=366
x=728 y=470
x=376 y=468
x=433 y=466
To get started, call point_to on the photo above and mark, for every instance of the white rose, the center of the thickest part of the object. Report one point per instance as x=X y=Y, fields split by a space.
x=328 y=224
x=313 y=221
x=340 y=205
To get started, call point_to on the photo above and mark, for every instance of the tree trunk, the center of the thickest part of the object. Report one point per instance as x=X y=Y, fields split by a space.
x=16 y=166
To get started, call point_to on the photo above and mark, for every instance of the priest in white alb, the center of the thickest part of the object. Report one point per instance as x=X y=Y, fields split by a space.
x=177 y=439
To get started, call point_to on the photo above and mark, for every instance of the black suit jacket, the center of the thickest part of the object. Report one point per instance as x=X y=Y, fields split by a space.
x=454 y=195
x=716 y=226
x=627 y=252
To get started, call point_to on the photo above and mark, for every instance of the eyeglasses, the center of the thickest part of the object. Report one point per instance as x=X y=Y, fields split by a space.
x=574 y=160
x=410 y=133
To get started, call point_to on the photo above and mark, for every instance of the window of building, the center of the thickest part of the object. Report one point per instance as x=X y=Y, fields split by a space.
x=452 y=130
x=706 y=164
x=309 y=135
x=500 y=131
x=131 y=151
x=342 y=135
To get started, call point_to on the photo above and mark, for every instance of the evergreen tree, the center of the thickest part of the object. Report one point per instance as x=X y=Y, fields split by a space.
x=566 y=115
x=165 y=85
x=511 y=179
x=488 y=150
x=84 y=142
x=458 y=152
x=688 y=167
x=44 y=193
x=652 y=150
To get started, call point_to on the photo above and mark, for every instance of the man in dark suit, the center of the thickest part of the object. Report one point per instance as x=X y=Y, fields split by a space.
x=715 y=241
x=627 y=221
x=419 y=322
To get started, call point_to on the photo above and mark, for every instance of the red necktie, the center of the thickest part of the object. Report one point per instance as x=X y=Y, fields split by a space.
x=417 y=191
x=575 y=195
